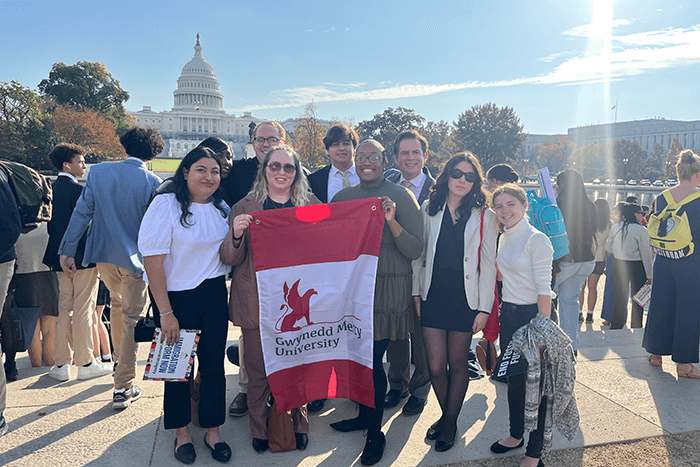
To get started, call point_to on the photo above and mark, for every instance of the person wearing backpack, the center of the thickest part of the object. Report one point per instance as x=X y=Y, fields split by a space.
x=673 y=322
x=575 y=267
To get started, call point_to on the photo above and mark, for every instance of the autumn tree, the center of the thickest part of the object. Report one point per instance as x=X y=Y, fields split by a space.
x=672 y=157
x=90 y=85
x=24 y=127
x=628 y=157
x=553 y=154
x=655 y=165
x=386 y=126
x=308 y=138
x=591 y=160
x=493 y=133
x=89 y=129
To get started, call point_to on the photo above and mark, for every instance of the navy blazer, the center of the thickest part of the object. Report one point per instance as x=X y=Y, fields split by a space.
x=113 y=203
x=66 y=193
x=319 y=183
x=394 y=175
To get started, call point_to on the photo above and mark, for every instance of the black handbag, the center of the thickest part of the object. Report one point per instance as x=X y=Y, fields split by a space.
x=145 y=327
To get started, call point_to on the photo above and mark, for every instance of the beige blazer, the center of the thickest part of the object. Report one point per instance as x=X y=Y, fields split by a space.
x=479 y=282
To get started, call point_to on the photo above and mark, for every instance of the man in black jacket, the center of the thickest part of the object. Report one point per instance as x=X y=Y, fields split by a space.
x=341 y=143
x=10 y=228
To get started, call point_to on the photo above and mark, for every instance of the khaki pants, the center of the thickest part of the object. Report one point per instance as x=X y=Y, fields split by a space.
x=128 y=292
x=75 y=311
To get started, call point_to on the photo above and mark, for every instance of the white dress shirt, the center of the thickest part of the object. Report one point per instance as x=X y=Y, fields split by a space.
x=335 y=180
x=416 y=183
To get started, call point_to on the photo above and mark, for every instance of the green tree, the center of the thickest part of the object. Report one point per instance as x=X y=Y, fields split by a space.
x=308 y=139
x=591 y=160
x=672 y=157
x=628 y=156
x=655 y=164
x=25 y=128
x=494 y=134
x=386 y=126
x=88 y=84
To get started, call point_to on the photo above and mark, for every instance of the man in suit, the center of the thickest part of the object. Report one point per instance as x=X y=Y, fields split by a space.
x=410 y=153
x=341 y=143
x=113 y=203
x=77 y=294
x=10 y=228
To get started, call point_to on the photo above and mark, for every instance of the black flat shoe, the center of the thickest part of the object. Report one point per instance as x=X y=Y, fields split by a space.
x=315 y=406
x=221 y=451
x=498 y=448
x=185 y=453
x=442 y=446
x=302 y=440
x=393 y=397
x=260 y=445
x=374 y=449
x=351 y=424
x=433 y=433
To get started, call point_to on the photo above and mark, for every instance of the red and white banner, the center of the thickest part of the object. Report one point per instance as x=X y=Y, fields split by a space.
x=316 y=268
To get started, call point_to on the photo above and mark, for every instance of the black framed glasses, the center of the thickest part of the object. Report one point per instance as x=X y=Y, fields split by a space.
x=273 y=140
x=276 y=167
x=374 y=159
x=470 y=177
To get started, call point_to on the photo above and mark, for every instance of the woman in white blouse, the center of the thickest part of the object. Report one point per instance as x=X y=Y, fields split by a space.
x=179 y=239
x=629 y=244
x=524 y=261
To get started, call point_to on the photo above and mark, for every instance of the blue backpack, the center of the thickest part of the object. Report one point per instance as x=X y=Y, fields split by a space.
x=547 y=218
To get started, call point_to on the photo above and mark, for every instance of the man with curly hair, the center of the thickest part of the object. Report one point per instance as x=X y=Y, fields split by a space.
x=113 y=203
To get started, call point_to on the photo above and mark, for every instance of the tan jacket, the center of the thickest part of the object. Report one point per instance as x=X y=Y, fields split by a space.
x=479 y=282
x=243 y=306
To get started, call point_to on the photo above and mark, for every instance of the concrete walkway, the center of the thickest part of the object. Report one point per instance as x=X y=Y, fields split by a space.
x=620 y=397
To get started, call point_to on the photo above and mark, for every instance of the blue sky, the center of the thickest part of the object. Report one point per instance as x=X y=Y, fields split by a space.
x=559 y=64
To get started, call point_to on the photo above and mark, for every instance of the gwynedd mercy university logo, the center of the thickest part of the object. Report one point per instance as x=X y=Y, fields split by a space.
x=295 y=308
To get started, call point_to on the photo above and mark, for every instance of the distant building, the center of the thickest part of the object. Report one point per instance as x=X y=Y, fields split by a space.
x=198 y=113
x=646 y=132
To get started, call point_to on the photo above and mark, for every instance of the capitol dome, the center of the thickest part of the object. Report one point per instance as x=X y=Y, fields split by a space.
x=197 y=87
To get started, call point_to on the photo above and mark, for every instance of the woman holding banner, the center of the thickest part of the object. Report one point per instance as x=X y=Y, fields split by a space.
x=525 y=263
x=402 y=242
x=191 y=222
x=281 y=184
x=453 y=283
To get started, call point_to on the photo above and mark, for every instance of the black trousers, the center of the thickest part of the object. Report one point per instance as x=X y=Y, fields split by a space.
x=374 y=415
x=205 y=308
x=627 y=275
x=513 y=317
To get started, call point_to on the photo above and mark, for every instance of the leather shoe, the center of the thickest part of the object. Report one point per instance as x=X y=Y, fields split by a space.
x=413 y=406
x=185 y=453
x=442 y=446
x=498 y=448
x=315 y=406
x=239 y=406
x=351 y=424
x=374 y=449
x=260 y=445
x=220 y=452
x=302 y=440
x=393 y=397
x=233 y=355
x=433 y=433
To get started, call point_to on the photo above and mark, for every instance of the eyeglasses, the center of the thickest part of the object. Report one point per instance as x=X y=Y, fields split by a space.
x=276 y=167
x=272 y=140
x=374 y=159
x=470 y=177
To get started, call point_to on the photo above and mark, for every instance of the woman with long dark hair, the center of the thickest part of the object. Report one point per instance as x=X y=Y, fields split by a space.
x=280 y=183
x=179 y=239
x=454 y=283
x=629 y=244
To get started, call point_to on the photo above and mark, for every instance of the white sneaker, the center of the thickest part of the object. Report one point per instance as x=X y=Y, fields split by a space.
x=61 y=373
x=94 y=370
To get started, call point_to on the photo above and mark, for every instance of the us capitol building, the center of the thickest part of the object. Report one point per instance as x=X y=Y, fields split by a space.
x=198 y=113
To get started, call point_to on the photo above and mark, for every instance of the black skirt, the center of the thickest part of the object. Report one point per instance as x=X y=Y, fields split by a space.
x=446 y=306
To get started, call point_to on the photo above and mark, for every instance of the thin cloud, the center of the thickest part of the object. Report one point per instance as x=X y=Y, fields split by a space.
x=631 y=55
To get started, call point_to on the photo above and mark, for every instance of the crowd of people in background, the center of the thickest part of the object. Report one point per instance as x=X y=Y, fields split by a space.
x=447 y=240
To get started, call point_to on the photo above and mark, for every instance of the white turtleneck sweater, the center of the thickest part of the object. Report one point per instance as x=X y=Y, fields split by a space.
x=525 y=261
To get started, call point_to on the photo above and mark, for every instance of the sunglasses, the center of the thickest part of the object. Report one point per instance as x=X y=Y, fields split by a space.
x=276 y=167
x=470 y=177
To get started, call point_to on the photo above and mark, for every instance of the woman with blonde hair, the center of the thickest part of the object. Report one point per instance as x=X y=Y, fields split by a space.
x=280 y=183
x=673 y=322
